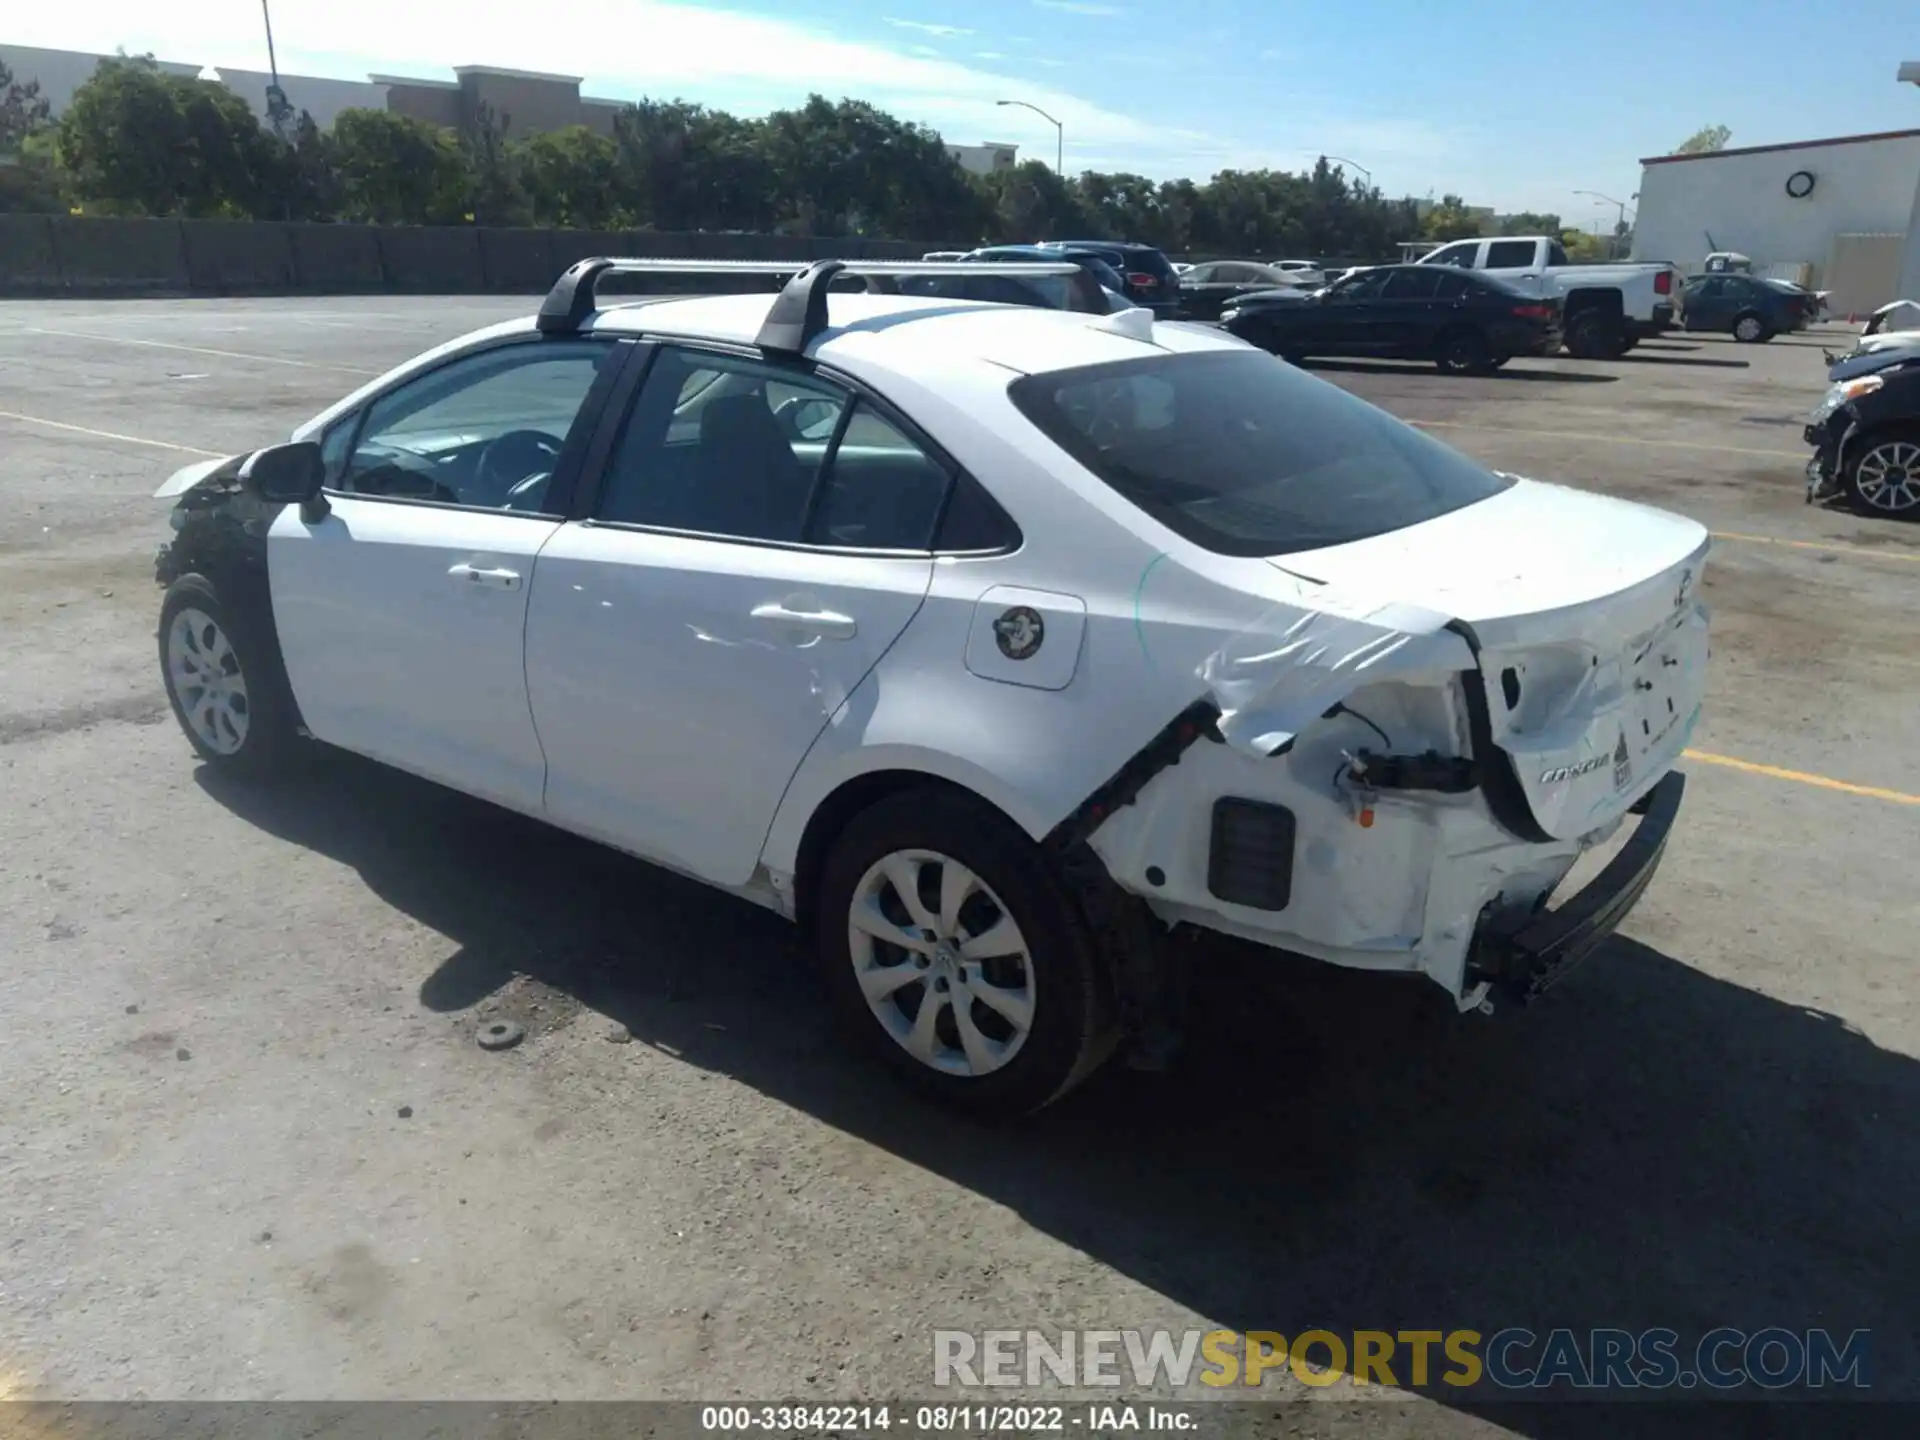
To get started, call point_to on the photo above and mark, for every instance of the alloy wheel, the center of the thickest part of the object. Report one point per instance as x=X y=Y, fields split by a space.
x=204 y=674
x=1887 y=477
x=941 y=962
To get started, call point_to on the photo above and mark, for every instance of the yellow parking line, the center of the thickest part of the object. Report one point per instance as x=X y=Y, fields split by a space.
x=110 y=435
x=1603 y=439
x=1823 y=782
x=203 y=350
x=1866 y=551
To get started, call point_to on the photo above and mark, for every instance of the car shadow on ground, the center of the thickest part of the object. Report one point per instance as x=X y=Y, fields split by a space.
x=1637 y=358
x=1414 y=367
x=1650 y=1146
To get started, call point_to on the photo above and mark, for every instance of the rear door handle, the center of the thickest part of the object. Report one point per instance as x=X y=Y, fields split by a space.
x=479 y=575
x=828 y=623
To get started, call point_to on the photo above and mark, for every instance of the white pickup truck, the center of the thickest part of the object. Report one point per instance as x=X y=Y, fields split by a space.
x=1607 y=309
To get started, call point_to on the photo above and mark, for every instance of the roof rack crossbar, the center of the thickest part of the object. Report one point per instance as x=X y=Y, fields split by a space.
x=799 y=312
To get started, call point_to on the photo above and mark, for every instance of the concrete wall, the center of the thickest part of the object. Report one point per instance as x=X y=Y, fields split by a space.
x=61 y=72
x=531 y=104
x=322 y=99
x=423 y=100
x=60 y=255
x=1862 y=187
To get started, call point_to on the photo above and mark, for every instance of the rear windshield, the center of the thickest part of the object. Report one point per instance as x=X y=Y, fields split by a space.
x=1245 y=455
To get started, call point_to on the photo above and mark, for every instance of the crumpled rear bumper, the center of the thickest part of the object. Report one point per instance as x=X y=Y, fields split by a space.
x=1525 y=962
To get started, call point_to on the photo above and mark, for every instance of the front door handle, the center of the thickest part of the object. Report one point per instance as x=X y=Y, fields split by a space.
x=827 y=623
x=479 y=575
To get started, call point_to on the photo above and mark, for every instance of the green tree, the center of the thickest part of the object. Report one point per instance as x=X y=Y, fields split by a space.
x=1704 y=141
x=684 y=167
x=134 y=138
x=852 y=169
x=1530 y=222
x=24 y=111
x=494 y=188
x=396 y=170
x=1450 y=220
x=1031 y=202
x=572 y=178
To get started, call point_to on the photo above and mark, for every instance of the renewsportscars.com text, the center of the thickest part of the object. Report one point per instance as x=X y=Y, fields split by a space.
x=1514 y=1359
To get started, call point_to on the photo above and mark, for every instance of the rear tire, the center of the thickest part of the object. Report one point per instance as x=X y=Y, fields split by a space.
x=1751 y=329
x=225 y=680
x=991 y=936
x=1882 y=478
x=1463 y=352
x=1593 y=335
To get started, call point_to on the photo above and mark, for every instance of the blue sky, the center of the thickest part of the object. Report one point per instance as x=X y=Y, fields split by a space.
x=1509 y=103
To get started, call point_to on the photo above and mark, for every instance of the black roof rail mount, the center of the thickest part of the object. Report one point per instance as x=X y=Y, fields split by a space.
x=799 y=312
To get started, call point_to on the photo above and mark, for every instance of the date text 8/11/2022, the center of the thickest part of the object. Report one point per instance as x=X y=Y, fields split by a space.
x=943 y=1419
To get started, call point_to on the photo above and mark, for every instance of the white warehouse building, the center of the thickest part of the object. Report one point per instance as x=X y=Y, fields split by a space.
x=1836 y=214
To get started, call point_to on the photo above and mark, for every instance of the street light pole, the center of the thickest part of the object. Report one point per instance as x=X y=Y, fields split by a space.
x=1365 y=173
x=1059 y=131
x=276 y=97
x=1622 y=204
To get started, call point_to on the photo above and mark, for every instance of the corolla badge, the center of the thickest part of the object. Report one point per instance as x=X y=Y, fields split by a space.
x=1560 y=774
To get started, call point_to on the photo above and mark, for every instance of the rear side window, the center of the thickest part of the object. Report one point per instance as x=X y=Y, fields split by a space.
x=1244 y=455
x=1509 y=254
x=1415 y=282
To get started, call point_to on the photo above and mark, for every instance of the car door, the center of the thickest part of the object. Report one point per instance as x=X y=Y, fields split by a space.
x=757 y=539
x=1408 y=313
x=1346 y=319
x=401 y=612
x=1706 y=305
x=1515 y=262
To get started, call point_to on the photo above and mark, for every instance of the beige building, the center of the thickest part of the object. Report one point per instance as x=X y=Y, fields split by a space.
x=532 y=102
x=985 y=158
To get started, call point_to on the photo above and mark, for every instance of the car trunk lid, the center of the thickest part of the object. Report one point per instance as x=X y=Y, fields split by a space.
x=1585 y=616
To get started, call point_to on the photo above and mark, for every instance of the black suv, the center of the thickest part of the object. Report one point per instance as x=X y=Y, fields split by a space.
x=1151 y=280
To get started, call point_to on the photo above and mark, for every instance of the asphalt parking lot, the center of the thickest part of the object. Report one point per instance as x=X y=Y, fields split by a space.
x=249 y=1148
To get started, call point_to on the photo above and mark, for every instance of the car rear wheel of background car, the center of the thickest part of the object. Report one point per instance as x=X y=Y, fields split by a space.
x=1884 y=477
x=955 y=952
x=1751 y=330
x=1463 y=352
x=224 y=679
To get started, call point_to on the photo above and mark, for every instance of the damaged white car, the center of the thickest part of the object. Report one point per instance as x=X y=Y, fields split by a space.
x=988 y=643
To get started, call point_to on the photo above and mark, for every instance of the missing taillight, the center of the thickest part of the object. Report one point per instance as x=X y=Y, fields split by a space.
x=1510 y=687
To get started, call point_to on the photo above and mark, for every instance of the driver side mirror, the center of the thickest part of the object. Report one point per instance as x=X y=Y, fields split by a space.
x=289 y=474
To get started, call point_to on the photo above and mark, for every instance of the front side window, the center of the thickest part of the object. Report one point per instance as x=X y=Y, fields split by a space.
x=1364 y=286
x=744 y=449
x=1461 y=255
x=1244 y=455
x=482 y=431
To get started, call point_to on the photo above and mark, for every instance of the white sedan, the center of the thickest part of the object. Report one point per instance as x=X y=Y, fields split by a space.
x=987 y=643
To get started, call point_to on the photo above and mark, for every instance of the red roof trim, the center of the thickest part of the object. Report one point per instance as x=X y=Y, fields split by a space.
x=1790 y=145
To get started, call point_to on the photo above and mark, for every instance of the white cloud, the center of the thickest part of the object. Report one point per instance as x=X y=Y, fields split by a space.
x=1079 y=7
x=944 y=32
x=746 y=63
x=988 y=55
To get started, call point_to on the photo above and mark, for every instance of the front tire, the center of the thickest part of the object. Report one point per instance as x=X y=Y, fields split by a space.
x=1883 y=478
x=224 y=680
x=955 y=953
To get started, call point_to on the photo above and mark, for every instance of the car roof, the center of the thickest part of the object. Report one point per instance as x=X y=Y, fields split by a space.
x=913 y=334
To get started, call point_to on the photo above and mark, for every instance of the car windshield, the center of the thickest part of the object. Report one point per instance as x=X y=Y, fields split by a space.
x=1245 y=455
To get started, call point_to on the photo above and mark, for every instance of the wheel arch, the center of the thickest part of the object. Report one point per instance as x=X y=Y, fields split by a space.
x=1580 y=302
x=803 y=857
